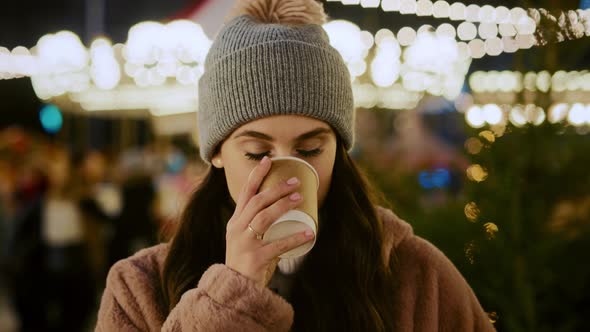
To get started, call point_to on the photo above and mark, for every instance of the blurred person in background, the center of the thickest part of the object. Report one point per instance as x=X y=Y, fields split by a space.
x=182 y=173
x=50 y=272
x=23 y=250
x=8 y=319
x=136 y=227
x=7 y=189
x=96 y=194
x=7 y=203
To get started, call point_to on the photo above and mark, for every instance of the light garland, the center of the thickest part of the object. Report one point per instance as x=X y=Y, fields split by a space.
x=440 y=73
x=470 y=47
x=458 y=11
x=155 y=52
x=511 y=81
x=104 y=69
x=172 y=55
x=154 y=55
x=420 y=71
x=386 y=65
x=519 y=115
x=150 y=73
x=393 y=97
x=516 y=27
x=352 y=43
x=146 y=64
x=158 y=100
x=16 y=63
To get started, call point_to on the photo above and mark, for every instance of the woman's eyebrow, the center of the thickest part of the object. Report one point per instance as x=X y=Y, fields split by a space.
x=263 y=136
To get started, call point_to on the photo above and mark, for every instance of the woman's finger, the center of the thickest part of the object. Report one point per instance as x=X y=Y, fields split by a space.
x=267 y=206
x=264 y=219
x=251 y=186
x=281 y=246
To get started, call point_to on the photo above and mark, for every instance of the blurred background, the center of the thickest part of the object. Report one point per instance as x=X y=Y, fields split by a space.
x=472 y=117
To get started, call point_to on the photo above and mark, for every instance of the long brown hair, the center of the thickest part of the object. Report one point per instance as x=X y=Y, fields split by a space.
x=343 y=283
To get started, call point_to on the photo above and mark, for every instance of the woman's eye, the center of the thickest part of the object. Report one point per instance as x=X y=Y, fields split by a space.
x=256 y=156
x=310 y=153
x=303 y=153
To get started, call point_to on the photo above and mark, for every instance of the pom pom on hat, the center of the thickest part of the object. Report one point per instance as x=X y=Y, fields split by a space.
x=282 y=11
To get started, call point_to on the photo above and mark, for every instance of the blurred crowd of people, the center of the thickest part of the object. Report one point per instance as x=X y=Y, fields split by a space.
x=66 y=216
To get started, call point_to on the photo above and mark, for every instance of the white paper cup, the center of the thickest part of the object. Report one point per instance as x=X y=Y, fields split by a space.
x=305 y=215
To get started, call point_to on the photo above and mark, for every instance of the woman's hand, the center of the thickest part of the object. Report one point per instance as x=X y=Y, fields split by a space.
x=245 y=252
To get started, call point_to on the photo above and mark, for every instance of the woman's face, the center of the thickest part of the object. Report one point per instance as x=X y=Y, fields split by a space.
x=277 y=136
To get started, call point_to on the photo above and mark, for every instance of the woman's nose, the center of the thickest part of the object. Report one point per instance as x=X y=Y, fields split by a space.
x=285 y=152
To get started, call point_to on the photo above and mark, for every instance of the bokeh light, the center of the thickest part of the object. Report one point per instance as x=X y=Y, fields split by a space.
x=476 y=173
x=441 y=9
x=475 y=117
x=488 y=136
x=471 y=211
x=578 y=115
x=457 y=11
x=492 y=114
x=473 y=145
x=467 y=31
x=438 y=178
x=558 y=112
x=51 y=118
x=470 y=251
x=491 y=230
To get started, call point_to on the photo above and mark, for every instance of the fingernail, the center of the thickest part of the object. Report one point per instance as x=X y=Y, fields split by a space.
x=265 y=160
x=295 y=196
x=309 y=233
x=292 y=181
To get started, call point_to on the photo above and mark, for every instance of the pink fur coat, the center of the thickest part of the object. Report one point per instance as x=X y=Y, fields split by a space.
x=433 y=294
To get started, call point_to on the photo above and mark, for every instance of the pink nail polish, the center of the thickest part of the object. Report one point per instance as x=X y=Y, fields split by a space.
x=295 y=196
x=308 y=234
x=292 y=181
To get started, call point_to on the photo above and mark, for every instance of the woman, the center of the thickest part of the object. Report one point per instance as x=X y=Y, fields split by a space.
x=273 y=86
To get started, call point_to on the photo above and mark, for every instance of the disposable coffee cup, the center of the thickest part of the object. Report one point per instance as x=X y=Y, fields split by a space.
x=302 y=217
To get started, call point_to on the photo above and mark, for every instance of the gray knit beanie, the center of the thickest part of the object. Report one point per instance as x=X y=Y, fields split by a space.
x=257 y=67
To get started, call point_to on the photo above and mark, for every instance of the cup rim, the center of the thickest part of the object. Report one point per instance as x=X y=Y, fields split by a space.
x=317 y=177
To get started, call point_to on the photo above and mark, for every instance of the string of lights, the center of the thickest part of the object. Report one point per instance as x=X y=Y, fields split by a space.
x=519 y=115
x=500 y=29
x=170 y=56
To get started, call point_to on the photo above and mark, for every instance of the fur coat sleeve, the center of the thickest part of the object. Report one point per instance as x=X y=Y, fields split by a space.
x=223 y=300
